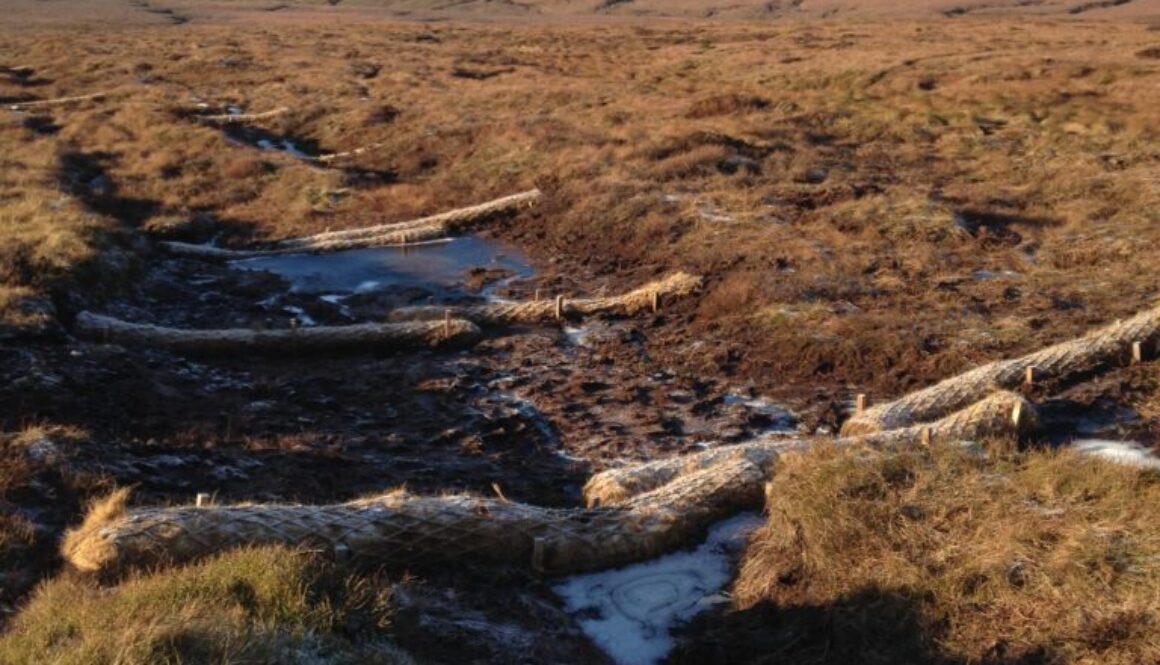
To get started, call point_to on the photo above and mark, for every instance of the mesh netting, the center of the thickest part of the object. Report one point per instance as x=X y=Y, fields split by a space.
x=242 y=118
x=405 y=236
x=992 y=417
x=402 y=528
x=454 y=332
x=1061 y=361
x=448 y=219
x=639 y=300
x=382 y=235
x=687 y=496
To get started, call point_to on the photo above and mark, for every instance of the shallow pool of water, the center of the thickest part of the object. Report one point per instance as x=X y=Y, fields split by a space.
x=441 y=267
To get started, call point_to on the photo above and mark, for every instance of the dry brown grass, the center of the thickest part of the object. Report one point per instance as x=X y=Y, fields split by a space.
x=940 y=556
x=829 y=173
x=255 y=606
x=815 y=173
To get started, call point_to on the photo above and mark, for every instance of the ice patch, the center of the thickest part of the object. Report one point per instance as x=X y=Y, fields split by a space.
x=336 y=300
x=576 y=335
x=442 y=266
x=628 y=612
x=780 y=419
x=300 y=314
x=42 y=449
x=285 y=146
x=989 y=275
x=489 y=292
x=529 y=412
x=1128 y=453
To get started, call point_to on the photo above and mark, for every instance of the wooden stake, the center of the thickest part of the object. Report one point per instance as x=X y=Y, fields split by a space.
x=202 y=499
x=656 y=301
x=1137 y=353
x=559 y=307
x=926 y=436
x=499 y=492
x=860 y=403
x=1030 y=378
x=537 y=296
x=447 y=323
x=1017 y=414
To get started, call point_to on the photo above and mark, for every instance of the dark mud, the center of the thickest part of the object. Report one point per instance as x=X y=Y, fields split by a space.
x=529 y=413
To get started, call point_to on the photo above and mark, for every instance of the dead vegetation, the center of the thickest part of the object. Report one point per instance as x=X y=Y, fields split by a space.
x=844 y=188
x=872 y=209
x=940 y=556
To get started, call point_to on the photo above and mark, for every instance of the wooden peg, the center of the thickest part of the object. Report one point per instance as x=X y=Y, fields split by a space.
x=1029 y=379
x=537 y=296
x=1137 y=353
x=499 y=492
x=860 y=403
x=202 y=499
x=447 y=323
x=926 y=436
x=656 y=301
x=559 y=307
x=1017 y=414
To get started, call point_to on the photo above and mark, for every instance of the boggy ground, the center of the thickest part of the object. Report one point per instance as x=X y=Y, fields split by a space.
x=873 y=207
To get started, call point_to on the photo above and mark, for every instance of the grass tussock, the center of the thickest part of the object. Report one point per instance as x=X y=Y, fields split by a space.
x=262 y=605
x=940 y=556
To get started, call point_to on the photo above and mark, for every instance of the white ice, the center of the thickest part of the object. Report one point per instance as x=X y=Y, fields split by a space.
x=303 y=318
x=336 y=300
x=576 y=336
x=628 y=612
x=783 y=419
x=1128 y=453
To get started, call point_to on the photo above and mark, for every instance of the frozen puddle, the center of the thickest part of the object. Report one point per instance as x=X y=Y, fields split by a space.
x=442 y=267
x=284 y=145
x=628 y=612
x=991 y=275
x=772 y=418
x=1128 y=453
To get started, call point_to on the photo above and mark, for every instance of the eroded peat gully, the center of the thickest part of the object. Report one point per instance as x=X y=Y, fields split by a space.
x=495 y=339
